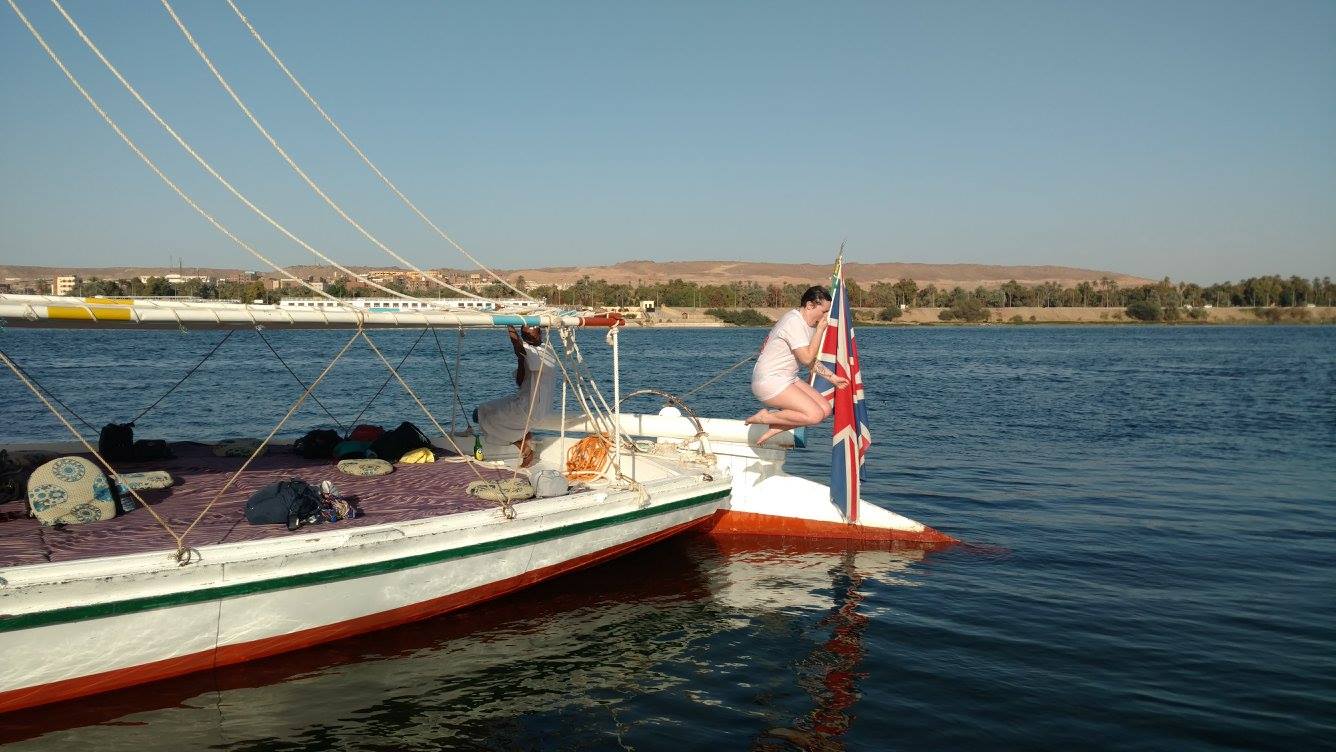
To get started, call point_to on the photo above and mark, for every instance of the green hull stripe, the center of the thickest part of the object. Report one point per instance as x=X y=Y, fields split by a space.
x=99 y=610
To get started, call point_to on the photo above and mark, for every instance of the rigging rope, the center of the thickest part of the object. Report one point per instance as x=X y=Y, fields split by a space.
x=53 y=396
x=295 y=167
x=205 y=164
x=180 y=542
x=388 y=378
x=153 y=166
x=719 y=375
x=182 y=553
x=260 y=331
x=454 y=385
x=207 y=355
x=507 y=510
x=362 y=155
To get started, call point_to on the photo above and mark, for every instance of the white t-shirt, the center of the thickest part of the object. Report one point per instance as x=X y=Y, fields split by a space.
x=776 y=361
x=503 y=419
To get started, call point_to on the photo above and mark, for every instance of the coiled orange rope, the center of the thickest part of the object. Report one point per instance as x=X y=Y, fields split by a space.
x=588 y=458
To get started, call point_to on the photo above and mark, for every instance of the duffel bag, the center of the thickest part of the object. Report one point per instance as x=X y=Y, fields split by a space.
x=402 y=440
x=280 y=503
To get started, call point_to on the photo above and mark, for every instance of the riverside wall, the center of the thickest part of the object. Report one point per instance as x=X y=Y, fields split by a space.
x=1033 y=315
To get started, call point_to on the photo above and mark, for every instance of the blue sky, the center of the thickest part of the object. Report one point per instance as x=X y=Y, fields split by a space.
x=1189 y=139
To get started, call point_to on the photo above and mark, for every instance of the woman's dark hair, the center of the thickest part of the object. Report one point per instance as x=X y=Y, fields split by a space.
x=814 y=294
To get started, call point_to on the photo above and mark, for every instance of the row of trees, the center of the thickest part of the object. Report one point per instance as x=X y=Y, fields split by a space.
x=1106 y=292
x=1252 y=292
x=244 y=290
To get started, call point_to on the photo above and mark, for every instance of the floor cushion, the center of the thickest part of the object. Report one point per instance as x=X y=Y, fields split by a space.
x=146 y=481
x=237 y=448
x=509 y=489
x=366 y=467
x=68 y=491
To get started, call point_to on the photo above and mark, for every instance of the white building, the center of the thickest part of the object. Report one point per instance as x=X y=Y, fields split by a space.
x=64 y=285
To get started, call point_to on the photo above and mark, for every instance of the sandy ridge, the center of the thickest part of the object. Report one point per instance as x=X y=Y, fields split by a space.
x=706 y=272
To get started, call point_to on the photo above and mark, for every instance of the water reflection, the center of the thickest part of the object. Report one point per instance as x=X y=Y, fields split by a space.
x=628 y=653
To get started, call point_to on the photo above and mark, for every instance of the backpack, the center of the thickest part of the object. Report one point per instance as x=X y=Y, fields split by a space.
x=365 y=432
x=402 y=440
x=351 y=450
x=116 y=442
x=286 y=502
x=317 y=445
x=150 y=449
x=13 y=478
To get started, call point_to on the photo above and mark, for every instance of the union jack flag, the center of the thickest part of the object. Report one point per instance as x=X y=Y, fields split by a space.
x=850 y=437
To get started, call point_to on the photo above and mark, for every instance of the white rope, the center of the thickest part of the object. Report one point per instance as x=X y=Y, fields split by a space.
x=595 y=418
x=154 y=167
x=295 y=167
x=18 y=373
x=365 y=159
x=425 y=410
x=208 y=167
x=562 y=441
x=259 y=449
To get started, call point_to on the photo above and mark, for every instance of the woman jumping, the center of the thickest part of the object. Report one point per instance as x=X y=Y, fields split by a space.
x=795 y=339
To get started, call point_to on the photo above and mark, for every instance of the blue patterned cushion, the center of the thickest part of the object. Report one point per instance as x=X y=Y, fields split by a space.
x=70 y=490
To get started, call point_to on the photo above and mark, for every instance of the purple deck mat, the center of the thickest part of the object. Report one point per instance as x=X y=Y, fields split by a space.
x=411 y=492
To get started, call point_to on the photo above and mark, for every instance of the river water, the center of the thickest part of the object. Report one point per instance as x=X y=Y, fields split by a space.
x=1151 y=558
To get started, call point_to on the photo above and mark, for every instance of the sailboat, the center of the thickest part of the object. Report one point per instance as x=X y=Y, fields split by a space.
x=182 y=584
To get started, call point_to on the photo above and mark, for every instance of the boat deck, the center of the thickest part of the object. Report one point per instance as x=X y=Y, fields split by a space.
x=411 y=492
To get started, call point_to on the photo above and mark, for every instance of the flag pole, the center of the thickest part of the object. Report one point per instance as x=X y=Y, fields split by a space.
x=839 y=262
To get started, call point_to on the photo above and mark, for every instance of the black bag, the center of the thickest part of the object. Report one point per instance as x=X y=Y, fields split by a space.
x=151 y=449
x=402 y=440
x=282 y=502
x=116 y=442
x=13 y=479
x=318 y=444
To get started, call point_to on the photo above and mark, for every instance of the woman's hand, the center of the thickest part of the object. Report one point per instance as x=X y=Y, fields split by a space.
x=839 y=381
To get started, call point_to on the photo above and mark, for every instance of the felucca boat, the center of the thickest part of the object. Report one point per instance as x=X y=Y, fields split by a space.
x=90 y=608
x=183 y=584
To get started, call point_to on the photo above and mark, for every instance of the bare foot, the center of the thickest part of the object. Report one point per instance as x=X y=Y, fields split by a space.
x=769 y=435
x=760 y=417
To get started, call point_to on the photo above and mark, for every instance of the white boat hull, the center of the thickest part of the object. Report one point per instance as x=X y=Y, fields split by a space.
x=90 y=626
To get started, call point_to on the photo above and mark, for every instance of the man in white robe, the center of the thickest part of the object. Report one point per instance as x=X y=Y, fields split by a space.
x=507 y=420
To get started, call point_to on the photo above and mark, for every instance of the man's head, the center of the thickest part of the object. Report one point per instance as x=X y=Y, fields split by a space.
x=532 y=334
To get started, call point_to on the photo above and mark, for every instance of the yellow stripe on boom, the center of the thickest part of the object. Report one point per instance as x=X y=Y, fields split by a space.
x=76 y=313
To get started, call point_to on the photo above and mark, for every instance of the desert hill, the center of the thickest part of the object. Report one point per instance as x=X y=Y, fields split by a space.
x=649 y=272
x=714 y=272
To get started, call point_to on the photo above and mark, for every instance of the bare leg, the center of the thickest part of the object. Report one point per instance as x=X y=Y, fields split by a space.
x=797 y=407
x=525 y=446
x=816 y=397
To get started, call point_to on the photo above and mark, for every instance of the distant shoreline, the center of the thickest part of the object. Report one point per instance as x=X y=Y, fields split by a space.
x=696 y=318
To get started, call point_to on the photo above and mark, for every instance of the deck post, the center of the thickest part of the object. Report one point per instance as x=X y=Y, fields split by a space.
x=616 y=399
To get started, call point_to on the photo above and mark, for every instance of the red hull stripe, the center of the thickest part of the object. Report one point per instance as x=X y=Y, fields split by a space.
x=83 y=686
x=750 y=523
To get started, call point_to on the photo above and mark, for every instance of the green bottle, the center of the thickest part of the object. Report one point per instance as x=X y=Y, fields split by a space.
x=477 y=448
